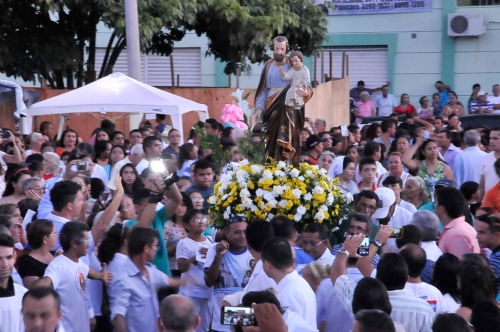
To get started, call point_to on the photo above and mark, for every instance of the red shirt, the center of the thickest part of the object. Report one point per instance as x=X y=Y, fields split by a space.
x=374 y=187
x=410 y=109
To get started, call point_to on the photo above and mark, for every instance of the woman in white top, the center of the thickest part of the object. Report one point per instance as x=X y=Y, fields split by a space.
x=346 y=182
x=187 y=155
x=395 y=167
x=191 y=255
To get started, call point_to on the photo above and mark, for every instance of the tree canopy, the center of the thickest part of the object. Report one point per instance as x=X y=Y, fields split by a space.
x=56 y=39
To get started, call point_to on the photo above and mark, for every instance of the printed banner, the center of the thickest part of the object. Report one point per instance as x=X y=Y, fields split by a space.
x=354 y=7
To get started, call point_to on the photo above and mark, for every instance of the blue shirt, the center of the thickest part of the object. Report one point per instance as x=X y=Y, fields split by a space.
x=495 y=265
x=136 y=299
x=301 y=259
x=161 y=258
x=385 y=105
x=445 y=99
x=467 y=164
x=427 y=273
x=273 y=80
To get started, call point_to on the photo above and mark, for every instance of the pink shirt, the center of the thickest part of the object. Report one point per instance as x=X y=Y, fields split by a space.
x=364 y=109
x=458 y=238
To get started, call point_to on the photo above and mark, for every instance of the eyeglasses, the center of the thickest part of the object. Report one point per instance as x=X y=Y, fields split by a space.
x=83 y=241
x=39 y=188
x=365 y=206
x=175 y=136
x=197 y=199
x=153 y=245
x=201 y=221
x=313 y=244
x=53 y=234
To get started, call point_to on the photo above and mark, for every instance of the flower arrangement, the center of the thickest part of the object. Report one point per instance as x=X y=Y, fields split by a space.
x=304 y=194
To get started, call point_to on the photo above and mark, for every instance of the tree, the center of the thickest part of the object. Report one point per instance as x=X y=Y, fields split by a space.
x=56 y=39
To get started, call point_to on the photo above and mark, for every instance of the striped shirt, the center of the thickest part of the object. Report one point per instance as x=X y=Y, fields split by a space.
x=415 y=314
x=495 y=265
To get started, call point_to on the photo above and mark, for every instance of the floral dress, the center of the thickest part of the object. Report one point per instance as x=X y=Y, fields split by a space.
x=173 y=234
x=431 y=179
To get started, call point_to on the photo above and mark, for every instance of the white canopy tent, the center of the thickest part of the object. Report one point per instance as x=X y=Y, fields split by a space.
x=120 y=93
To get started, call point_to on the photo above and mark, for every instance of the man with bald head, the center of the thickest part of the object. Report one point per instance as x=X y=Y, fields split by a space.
x=177 y=314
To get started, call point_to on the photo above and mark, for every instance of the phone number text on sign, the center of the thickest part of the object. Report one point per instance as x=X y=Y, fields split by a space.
x=353 y=7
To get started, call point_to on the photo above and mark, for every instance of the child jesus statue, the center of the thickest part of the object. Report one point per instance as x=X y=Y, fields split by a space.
x=299 y=77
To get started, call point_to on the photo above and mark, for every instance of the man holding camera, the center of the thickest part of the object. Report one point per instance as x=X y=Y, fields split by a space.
x=145 y=202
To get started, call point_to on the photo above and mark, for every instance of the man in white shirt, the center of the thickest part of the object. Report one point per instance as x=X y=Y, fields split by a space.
x=67 y=274
x=389 y=213
x=416 y=259
x=315 y=242
x=11 y=294
x=152 y=148
x=293 y=291
x=489 y=177
x=467 y=163
x=294 y=322
x=227 y=264
x=257 y=233
x=385 y=103
x=428 y=223
x=42 y=310
x=135 y=157
x=415 y=314
x=495 y=99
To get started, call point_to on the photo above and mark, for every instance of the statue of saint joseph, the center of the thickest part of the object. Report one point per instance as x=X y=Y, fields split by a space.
x=282 y=123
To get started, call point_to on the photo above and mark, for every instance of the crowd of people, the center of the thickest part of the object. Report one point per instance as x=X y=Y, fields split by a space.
x=112 y=232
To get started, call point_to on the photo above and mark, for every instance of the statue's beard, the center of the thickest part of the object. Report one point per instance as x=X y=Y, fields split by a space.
x=279 y=57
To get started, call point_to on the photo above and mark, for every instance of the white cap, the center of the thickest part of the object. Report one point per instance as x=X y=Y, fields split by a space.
x=482 y=93
x=386 y=197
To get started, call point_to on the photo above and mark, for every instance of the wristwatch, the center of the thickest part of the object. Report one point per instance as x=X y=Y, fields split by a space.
x=377 y=243
x=344 y=251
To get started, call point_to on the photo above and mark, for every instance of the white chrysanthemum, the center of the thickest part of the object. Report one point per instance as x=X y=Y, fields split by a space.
x=259 y=192
x=244 y=162
x=212 y=200
x=279 y=174
x=241 y=174
x=296 y=193
x=282 y=203
x=308 y=197
x=267 y=175
x=297 y=217
x=262 y=205
x=294 y=172
x=282 y=164
x=335 y=229
x=301 y=210
x=270 y=216
x=225 y=197
x=244 y=193
x=349 y=198
x=256 y=169
x=269 y=196
x=253 y=208
x=323 y=208
x=317 y=190
x=322 y=171
x=278 y=190
x=319 y=215
x=329 y=199
x=310 y=173
x=246 y=203
x=273 y=203
x=301 y=178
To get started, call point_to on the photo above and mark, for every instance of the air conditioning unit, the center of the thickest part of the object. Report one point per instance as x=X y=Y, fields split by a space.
x=465 y=25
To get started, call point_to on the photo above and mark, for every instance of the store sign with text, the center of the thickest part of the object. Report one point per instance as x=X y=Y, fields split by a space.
x=356 y=7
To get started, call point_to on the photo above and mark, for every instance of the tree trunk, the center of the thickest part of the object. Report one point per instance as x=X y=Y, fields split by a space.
x=104 y=64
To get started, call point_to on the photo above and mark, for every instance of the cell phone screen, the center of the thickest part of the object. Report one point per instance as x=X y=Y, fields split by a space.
x=397 y=233
x=237 y=316
x=364 y=248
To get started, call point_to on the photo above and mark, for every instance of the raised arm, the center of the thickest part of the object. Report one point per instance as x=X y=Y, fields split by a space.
x=105 y=219
x=408 y=160
x=364 y=264
x=16 y=157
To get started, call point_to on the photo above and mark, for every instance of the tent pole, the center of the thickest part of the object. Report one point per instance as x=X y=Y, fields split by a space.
x=133 y=50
